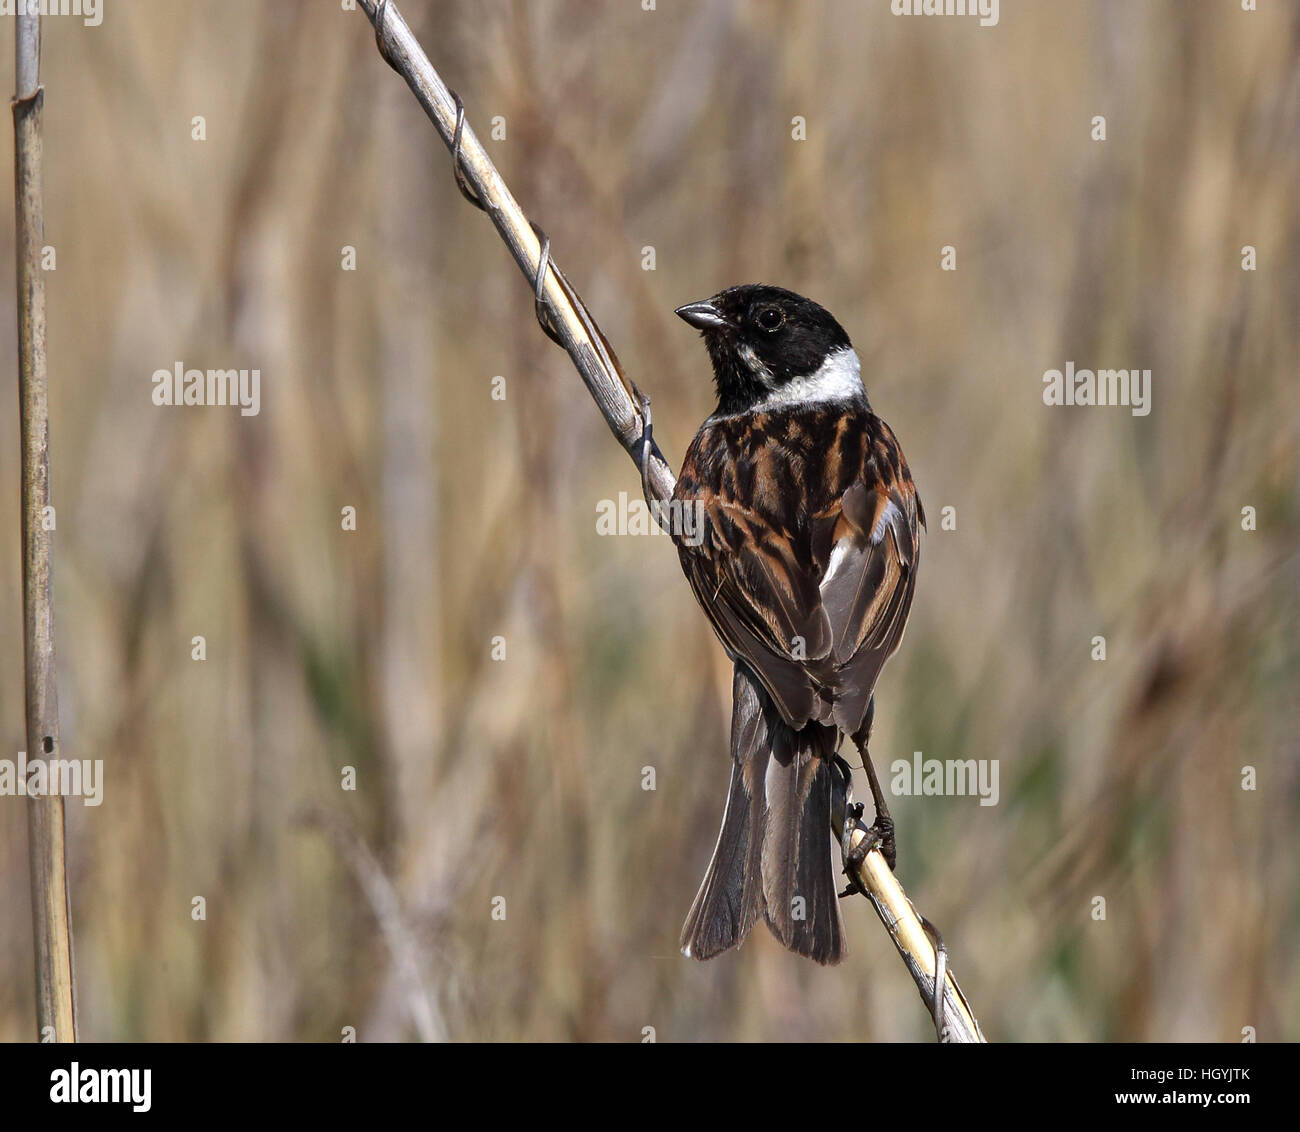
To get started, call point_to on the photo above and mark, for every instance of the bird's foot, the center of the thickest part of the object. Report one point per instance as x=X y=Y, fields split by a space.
x=878 y=836
x=884 y=829
x=853 y=855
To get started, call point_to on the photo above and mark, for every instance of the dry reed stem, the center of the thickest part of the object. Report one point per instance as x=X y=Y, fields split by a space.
x=617 y=398
x=51 y=914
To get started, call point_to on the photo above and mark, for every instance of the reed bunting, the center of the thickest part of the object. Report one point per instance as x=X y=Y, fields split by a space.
x=806 y=571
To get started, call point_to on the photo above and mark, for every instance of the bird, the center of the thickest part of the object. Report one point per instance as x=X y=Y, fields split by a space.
x=805 y=563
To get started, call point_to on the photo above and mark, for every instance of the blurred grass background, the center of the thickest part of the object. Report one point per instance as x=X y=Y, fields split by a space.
x=522 y=778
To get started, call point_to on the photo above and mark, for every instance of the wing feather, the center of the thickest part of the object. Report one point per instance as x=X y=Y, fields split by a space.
x=814 y=598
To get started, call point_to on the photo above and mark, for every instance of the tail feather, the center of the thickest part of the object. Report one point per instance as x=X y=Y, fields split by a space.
x=800 y=900
x=773 y=854
x=730 y=899
x=716 y=920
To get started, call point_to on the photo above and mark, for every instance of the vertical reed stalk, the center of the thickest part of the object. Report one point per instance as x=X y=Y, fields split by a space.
x=51 y=919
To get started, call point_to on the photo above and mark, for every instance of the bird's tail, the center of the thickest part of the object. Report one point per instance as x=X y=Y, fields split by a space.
x=773 y=856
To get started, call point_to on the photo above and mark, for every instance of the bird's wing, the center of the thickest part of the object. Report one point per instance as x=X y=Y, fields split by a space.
x=763 y=602
x=815 y=607
x=870 y=575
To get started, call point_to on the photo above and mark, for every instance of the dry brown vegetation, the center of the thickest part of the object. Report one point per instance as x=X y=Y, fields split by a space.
x=523 y=778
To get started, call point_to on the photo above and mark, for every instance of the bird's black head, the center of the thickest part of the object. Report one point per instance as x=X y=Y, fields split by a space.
x=770 y=345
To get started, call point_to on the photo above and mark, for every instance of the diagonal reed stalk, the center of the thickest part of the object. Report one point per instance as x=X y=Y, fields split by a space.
x=624 y=411
x=51 y=917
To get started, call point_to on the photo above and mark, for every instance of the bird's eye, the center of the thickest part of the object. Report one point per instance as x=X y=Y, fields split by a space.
x=771 y=318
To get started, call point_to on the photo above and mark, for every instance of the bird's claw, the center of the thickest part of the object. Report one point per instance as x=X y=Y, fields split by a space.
x=884 y=828
x=854 y=855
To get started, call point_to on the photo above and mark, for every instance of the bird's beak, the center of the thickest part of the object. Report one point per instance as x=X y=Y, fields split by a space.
x=703 y=316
